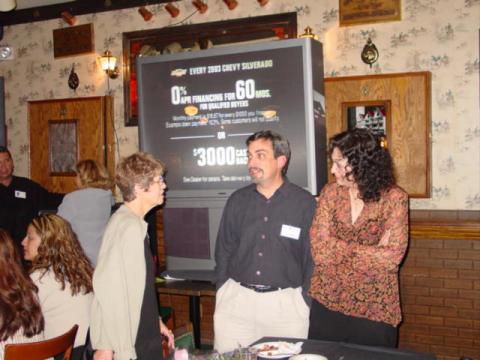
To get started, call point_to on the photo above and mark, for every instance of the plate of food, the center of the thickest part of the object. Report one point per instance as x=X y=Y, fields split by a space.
x=276 y=349
x=308 y=357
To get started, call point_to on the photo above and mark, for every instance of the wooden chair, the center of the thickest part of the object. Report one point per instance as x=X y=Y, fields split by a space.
x=183 y=339
x=42 y=350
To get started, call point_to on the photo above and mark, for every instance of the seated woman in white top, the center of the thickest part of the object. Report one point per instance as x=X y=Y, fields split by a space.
x=21 y=318
x=88 y=208
x=63 y=275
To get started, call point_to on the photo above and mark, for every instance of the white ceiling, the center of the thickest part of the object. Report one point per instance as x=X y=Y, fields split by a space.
x=25 y=4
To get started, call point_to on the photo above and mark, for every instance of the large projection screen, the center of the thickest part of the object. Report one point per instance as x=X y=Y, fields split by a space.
x=197 y=110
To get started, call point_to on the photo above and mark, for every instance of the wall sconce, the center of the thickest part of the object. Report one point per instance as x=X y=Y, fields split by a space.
x=263 y=2
x=232 y=4
x=200 y=5
x=172 y=10
x=146 y=14
x=6 y=53
x=68 y=18
x=108 y=62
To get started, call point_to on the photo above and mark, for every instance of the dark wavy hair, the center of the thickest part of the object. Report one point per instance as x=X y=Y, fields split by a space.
x=19 y=305
x=371 y=164
x=61 y=252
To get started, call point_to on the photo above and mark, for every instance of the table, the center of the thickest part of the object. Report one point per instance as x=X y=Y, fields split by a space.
x=345 y=351
x=194 y=290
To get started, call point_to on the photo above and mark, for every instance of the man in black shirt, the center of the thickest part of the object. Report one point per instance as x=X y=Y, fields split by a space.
x=263 y=259
x=20 y=199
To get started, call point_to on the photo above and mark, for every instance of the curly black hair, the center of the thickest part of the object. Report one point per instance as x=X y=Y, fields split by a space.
x=371 y=164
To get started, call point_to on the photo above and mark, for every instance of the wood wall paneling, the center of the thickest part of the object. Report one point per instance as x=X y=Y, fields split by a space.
x=410 y=123
x=95 y=139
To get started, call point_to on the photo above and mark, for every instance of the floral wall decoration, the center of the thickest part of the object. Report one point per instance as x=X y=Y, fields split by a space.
x=447 y=45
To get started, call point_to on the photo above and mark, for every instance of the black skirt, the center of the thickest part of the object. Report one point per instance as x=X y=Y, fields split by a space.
x=329 y=325
x=148 y=344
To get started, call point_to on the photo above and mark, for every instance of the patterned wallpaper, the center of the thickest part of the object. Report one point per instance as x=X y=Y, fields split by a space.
x=441 y=36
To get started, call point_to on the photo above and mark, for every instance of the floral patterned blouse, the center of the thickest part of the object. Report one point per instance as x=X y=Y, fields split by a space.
x=355 y=272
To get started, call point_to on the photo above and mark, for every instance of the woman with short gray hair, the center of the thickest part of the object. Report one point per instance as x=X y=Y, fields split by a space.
x=125 y=320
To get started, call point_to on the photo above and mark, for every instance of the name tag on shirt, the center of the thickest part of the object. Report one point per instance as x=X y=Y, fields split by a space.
x=20 y=194
x=291 y=232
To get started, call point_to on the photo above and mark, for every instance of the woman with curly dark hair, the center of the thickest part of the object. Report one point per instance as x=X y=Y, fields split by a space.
x=21 y=318
x=63 y=275
x=358 y=237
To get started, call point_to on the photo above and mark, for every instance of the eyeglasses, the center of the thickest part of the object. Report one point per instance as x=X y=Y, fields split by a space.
x=161 y=179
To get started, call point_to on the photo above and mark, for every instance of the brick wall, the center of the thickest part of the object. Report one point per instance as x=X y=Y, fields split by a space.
x=180 y=303
x=440 y=291
x=439 y=284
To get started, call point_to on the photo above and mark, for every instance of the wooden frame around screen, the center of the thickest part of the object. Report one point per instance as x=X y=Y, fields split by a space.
x=280 y=26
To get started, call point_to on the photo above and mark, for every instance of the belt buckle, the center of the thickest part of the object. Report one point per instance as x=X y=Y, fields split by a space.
x=262 y=288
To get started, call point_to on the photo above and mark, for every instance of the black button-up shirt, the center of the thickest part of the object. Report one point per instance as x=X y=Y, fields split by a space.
x=20 y=202
x=266 y=241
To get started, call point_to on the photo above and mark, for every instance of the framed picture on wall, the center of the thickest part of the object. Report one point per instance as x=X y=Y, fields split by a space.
x=74 y=40
x=372 y=115
x=368 y=11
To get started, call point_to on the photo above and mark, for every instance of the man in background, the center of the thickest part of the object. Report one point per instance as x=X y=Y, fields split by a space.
x=263 y=259
x=20 y=199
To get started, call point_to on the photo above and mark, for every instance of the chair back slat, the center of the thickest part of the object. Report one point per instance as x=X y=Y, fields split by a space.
x=42 y=350
x=184 y=337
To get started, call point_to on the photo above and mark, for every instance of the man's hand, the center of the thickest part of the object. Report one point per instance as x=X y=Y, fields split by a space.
x=103 y=355
x=165 y=331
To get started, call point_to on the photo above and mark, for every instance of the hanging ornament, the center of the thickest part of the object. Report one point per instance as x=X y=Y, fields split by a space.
x=73 y=80
x=309 y=34
x=369 y=53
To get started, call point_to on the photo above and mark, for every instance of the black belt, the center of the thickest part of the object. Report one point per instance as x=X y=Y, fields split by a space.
x=261 y=288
